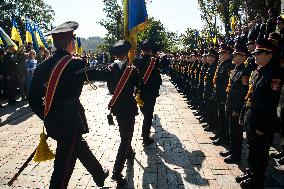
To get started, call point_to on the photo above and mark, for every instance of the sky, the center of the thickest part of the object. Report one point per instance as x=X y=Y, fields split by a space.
x=175 y=15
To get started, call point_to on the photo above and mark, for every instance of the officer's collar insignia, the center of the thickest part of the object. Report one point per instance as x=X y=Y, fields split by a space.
x=275 y=84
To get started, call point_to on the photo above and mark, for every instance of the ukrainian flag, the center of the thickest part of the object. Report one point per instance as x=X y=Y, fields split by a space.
x=39 y=37
x=135 y=20
x=6 y=40
x=30 y=36
x=79 y=48
x=15 y=34
x=233 y=23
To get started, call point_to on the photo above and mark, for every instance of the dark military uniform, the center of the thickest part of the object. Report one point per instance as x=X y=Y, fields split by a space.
x=125 y=108
x=208 y=90
x=262 y=101
x=66 y=121
x=10 y=69
x=149 y=92
x=222 y=79
x=237 y=90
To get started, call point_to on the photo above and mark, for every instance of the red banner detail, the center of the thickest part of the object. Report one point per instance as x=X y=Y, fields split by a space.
x=149 y=70
x=53 y=81
x=124 y=78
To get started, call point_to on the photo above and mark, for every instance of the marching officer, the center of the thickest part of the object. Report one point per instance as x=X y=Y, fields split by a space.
x=122 y=78
x=148 y=68
x=262 y=100
x=60 y=108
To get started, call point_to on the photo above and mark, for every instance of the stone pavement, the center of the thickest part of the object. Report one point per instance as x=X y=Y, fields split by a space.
x=182 y=157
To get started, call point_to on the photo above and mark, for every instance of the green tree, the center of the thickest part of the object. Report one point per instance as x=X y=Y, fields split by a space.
x=113 y=23
x=242 y=10
x=156 y=32
x=35 y=10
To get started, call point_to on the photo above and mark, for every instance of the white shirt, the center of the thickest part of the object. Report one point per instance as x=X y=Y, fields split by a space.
x=119 y=63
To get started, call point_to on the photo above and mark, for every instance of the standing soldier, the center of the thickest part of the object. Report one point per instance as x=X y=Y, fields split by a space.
x=210 y=104
x=2 y=83
x=221 y=79
x=262 y=100
x=236 y=92
x=201 y=76
x=280 y=24
x=10 y=68
x=54 y=97
x=148 y=68
x=194 y=64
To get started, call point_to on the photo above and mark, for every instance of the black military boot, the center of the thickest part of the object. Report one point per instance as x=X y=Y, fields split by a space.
x=232 y=159
x=118 y=177
x=242 y=177
x=101 y=181
x=278 y=155
x=147 y=141
x=226 y=153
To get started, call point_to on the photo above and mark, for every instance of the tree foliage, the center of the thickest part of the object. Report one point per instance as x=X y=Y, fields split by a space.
x=35 y=10
x=156 y=32
x=243 y=10
x=113 y=23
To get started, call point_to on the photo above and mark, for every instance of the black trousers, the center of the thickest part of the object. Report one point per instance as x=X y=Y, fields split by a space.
x=236 y=136
x=68 y=150
x=11 y=84
x=260 y=155
x=147 y=111
x=126 y=128
x=223 y=127
x=211 y=114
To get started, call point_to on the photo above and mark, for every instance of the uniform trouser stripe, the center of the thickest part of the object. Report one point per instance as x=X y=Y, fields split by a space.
x=67 y=165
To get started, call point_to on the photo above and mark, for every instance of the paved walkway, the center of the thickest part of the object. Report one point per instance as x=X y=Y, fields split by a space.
x=182 y=157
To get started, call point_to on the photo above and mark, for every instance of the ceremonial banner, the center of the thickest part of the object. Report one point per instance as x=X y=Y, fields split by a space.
x=30 y=36
x=39 y=37
x=119 y=87
x=53 y=81
x=79 y=48
x=135 y=19
x=149 y=70
x=6 y=40
x=15 y=34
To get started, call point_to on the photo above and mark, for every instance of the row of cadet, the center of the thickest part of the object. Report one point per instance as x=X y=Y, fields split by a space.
x=234 y=87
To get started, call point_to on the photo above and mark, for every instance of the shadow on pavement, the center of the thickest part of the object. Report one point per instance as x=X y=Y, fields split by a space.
x=169 y=164
x=18 y=114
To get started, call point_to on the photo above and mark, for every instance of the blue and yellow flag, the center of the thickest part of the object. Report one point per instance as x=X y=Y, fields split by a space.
x=79 y=48
x=6 y=40
x=30 y=36
x=15 y=34
x=135 y=19
x=233 y=23
x=39 y=37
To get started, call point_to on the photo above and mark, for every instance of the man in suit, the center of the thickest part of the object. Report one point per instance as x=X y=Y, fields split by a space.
x=60 y=108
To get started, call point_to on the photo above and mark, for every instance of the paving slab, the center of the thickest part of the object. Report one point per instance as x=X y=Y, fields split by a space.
x=181 y=157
